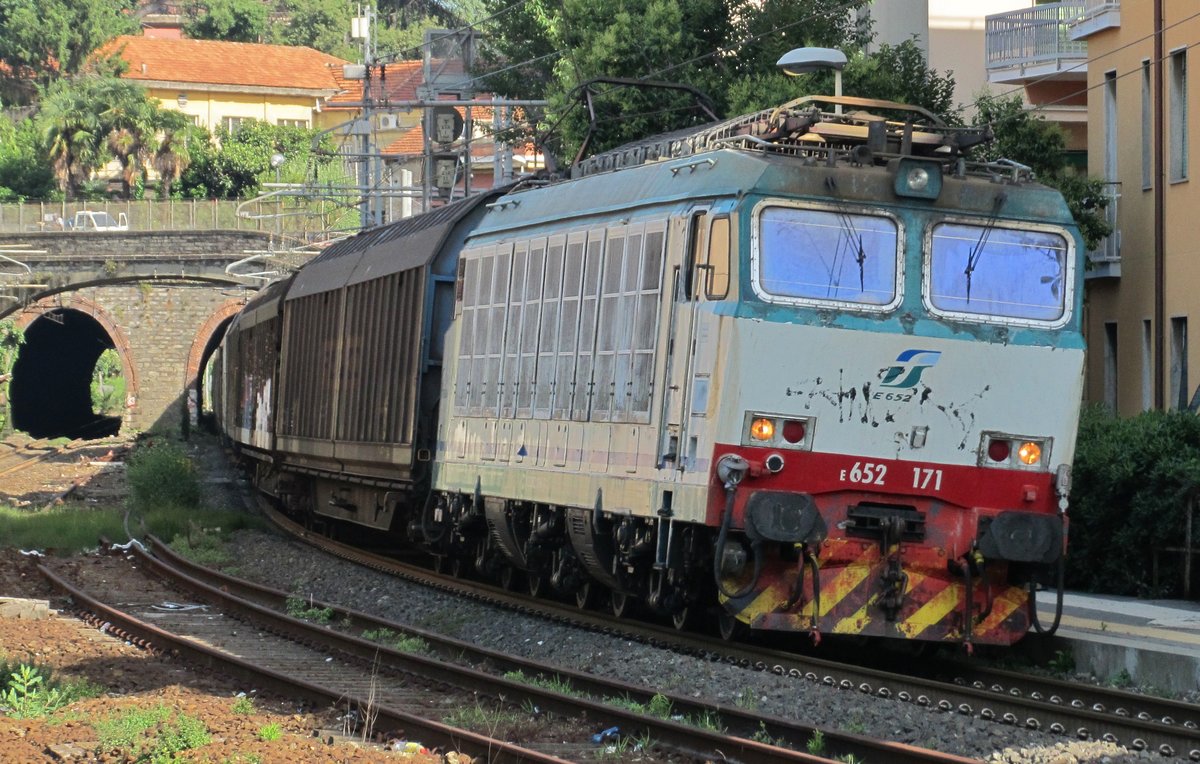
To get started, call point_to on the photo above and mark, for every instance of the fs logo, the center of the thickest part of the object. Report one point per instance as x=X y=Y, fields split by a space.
x=909 y=366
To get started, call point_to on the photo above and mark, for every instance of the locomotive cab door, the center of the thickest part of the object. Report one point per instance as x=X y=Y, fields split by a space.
x=700 y=273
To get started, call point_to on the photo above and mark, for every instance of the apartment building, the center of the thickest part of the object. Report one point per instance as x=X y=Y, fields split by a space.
x=1122 y=67
x=1141 y=126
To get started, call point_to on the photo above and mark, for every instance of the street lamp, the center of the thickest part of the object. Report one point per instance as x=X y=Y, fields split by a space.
x=800 y=61
x=277 y=160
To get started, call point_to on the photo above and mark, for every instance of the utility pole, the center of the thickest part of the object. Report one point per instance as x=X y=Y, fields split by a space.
x=368 y=178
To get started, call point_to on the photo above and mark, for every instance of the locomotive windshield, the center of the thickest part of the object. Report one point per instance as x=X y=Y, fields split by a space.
x=986 y=270
x=812 y=254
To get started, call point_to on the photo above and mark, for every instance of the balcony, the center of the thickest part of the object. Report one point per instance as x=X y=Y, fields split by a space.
x=1105 y=260
x=1036 y=43
x=1097 y=15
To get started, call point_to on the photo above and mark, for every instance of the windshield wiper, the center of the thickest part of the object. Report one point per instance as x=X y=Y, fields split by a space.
x=977 y=250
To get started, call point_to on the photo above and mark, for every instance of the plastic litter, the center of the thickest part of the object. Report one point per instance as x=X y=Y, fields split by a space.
x=610 y=734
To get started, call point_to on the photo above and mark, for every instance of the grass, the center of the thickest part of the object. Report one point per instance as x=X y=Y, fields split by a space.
x=244 y=706
x=554 y=684
x=269 y=732
x=155 y=734
x=164 y=499
x=67 y=530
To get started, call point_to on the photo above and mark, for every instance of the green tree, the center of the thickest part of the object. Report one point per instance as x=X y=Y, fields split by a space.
x=41 y=40
x=229 y=20
x=24 y=172
x=1024 y=136
x=171 y=154
x=235 y=164
x=72 y=133
x=320 y=24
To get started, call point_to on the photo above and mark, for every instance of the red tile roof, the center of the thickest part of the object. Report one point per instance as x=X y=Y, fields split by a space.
x=213 y=62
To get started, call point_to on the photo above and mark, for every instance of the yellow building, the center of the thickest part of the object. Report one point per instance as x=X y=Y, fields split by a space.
x=1130 y=58
x=225 y=83
x=1147 y=283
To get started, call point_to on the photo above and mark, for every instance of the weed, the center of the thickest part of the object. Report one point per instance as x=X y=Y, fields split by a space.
x=161 y=474
x=153 y=734
x=33 y=691
x=816 y=743
x=762 y=736
x=269 y=732
x=554 y=684
x=850 y=759
x=746 y=699
x=243 y=705
x=1063 y=662
x=402 y=642
x=856 y=726
x=1121 y=679
x=27 y=694
x=479 y=718
x=297 y=608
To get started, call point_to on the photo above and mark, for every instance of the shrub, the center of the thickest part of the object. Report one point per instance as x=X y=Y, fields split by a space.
x=161 y=475
x=1134 y=482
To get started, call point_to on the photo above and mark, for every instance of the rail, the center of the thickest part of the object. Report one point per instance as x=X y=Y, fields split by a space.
x=1034 y=36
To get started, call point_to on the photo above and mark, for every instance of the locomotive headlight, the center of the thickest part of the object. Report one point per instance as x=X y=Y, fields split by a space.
x=1029 y=453
x=917 y=178
x=762 y=429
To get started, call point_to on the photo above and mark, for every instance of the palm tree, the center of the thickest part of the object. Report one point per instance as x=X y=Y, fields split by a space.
x=171 y=157
x=71 y=134
x=129 y=125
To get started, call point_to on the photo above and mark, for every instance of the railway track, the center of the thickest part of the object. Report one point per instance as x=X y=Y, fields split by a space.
x=14 y=458
x=376 y=681
x=1067 y=709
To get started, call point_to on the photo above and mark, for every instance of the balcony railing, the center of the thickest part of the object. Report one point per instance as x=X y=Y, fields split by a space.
x=1097 y=15
x=1105 y=260
x=1035 y=42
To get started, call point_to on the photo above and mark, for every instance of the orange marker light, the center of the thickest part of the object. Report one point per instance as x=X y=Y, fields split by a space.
x=762 y=429
x=1029 y=453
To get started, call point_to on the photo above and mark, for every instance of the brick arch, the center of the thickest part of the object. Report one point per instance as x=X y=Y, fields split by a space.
x=91 y=308
x=196 y=352
x=204 y=334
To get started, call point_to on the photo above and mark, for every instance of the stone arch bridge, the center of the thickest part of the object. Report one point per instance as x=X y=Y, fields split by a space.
x=161 y=299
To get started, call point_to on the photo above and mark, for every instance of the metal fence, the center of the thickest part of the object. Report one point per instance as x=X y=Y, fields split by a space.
x=268 y=215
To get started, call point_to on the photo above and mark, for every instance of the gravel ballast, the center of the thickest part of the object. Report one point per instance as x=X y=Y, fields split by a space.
x=302 y=570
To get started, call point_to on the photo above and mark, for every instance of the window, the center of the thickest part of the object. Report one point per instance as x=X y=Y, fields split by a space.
x=1179 y=363
x=1147 y=128
x=292 y=122
x=718 y=259
x=817 y=255
x=1179 y=116
x=233 y=124
x=1110 y=364
x=1147 y=366
x=984 y=270
x=1110 y=126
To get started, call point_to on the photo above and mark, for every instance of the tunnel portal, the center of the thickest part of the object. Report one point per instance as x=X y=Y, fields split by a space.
x=51 y=380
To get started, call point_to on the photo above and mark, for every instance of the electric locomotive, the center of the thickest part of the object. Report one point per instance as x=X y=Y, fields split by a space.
x=808 y=370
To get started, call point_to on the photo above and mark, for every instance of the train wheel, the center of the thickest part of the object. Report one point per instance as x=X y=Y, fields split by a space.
x=509 y=577
x=621 y=603
x=729 y=627
x=683 y=619
x=583 y=596
x=538 y=584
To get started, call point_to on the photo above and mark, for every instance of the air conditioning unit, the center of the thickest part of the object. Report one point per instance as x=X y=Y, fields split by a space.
x=387 y=122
